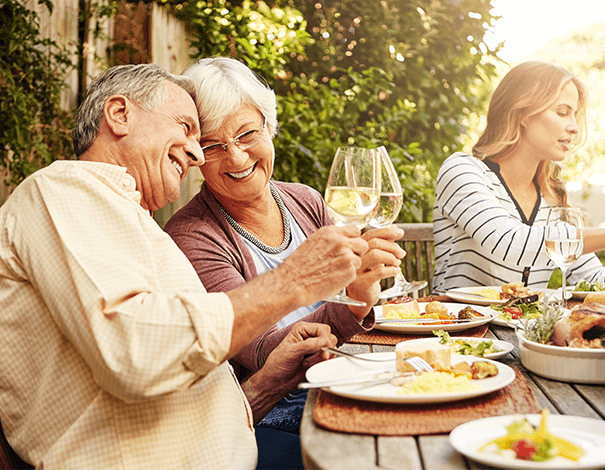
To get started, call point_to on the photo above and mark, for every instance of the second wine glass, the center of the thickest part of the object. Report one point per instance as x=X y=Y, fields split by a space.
x=391 y=200
x=352 y=194
x=563 y=240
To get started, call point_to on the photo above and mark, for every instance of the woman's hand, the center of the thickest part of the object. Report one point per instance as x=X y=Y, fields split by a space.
x=381 y=261
x=286 y=366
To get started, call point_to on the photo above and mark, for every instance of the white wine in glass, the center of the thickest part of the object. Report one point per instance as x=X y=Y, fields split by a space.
x=391 y=200
x=563 y=240
x=352 y=194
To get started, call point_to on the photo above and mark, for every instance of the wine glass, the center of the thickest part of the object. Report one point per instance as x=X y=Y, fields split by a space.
x=352 y=194
x=563 y=240
x=391 y=200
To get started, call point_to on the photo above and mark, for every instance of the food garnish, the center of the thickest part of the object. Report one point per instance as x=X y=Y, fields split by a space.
x=467 y=347
x=585 y=286
x=520 y=308
x=535 y=444
x=540 y=328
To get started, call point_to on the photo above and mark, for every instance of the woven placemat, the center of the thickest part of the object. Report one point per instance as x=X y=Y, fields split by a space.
x=385 y=419
x=391 y=339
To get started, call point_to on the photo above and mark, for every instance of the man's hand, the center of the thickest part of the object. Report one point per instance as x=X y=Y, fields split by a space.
x=323 y=264
x=326 y=262
x=286 y=366
x=381 y=261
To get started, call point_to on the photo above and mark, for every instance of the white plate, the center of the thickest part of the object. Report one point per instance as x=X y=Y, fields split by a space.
x=343 y=368
x=458 y=295
x=503 y=345
x=586 y=432
x=429 y=327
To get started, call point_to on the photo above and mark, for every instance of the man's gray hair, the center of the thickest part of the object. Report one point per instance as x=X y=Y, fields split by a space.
x=222 y=86
x=143 y=84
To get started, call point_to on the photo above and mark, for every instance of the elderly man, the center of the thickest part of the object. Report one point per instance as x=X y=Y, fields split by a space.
x=112 y=354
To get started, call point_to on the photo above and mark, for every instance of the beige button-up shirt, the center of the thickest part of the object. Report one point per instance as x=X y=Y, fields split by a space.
x=112 y=354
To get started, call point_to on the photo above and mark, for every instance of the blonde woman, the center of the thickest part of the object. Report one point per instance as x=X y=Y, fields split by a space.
x=490 y=207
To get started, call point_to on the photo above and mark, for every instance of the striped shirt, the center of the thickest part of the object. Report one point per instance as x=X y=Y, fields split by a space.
x=482 y=237
x=112 y=354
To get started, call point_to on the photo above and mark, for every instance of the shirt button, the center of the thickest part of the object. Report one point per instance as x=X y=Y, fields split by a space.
x=126 y=182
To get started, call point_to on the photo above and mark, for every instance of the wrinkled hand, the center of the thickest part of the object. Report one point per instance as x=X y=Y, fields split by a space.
x=325 y=262
x=286 y=365
x=381 y=261
x=299 y=350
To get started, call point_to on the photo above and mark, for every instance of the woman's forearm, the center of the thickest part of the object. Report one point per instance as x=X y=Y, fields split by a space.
x=594 y=239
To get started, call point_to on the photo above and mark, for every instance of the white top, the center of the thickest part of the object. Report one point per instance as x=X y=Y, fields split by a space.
x=112 y=354
x=482 y=237
x=264 y=262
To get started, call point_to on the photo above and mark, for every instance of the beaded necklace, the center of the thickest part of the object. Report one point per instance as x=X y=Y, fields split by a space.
x=285 y=222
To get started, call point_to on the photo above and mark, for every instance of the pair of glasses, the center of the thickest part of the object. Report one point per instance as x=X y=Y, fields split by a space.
x=243 y=141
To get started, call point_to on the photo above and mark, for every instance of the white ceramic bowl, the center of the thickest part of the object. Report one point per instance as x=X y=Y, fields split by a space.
x=575 y=365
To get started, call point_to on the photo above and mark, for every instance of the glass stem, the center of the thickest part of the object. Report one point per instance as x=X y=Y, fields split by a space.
x=563 y=286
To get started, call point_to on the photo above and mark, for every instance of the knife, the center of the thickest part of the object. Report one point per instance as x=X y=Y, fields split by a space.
x=424 y=320
x=370 y=381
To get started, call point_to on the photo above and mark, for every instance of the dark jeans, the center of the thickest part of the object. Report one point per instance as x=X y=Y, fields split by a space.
x=277 y=434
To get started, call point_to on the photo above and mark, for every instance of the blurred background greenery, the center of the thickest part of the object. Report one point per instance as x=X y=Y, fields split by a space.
x=414 y=76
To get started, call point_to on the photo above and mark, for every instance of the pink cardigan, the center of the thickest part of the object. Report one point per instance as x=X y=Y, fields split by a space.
x=223 y=262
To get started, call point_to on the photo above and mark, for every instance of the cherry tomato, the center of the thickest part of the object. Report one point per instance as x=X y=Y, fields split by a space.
x=515 y=312
x=524 y=448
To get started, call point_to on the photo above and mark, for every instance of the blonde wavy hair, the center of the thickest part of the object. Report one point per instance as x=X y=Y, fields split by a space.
x=526 y=90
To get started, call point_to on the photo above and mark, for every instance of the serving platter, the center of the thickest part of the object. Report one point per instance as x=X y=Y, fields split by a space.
x=343 y=368
x=586 y=432
x=452 y=307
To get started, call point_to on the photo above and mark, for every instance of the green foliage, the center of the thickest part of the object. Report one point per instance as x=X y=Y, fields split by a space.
x=434 y=54
x=35 y=130
x=261 y=36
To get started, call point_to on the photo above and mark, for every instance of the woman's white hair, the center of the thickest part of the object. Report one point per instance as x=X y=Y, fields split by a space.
x=222 y=86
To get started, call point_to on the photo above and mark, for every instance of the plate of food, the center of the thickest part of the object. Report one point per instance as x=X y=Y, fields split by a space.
x=538 y=441
x=454 y=381
x=566 y=346
x=467 y=346
x=583 y=289
x=490 y=295
x=399 y=316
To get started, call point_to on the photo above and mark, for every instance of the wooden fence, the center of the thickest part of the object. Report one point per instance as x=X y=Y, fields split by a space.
x=150 y=34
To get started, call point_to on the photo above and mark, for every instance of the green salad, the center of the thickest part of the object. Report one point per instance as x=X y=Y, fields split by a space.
x=467 y=347
x=519 y=310
x=585 y=286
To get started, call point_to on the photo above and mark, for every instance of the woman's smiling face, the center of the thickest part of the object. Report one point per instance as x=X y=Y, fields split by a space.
x=240 y=175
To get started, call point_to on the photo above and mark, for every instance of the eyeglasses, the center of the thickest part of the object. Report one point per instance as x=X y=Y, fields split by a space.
x=243 y=141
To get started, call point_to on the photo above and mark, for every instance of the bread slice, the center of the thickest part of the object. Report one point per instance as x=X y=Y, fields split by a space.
x=596 y=297
x=437 y=355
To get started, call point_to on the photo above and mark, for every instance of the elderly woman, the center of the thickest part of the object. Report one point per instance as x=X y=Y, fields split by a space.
x=242 y=224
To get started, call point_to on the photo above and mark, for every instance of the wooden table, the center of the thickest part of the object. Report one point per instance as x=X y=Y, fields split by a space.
x=323 y=449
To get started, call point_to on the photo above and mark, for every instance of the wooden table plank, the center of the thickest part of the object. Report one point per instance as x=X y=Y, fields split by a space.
x=398 y=453
x=438 y=454
x=323 y=449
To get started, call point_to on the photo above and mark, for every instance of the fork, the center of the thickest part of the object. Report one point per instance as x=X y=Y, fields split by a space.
x=416 y=362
